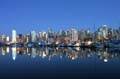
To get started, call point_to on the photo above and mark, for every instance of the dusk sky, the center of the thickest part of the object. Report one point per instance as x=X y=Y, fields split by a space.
x=39 y=15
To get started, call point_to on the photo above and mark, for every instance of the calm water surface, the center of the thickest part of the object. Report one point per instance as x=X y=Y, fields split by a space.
x=59 y=62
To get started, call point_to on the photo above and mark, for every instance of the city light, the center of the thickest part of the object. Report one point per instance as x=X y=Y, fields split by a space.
x=102 y=37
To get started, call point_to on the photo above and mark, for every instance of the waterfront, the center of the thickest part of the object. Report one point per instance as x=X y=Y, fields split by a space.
x=103 y=36
x=65 y=54
x=59 y=62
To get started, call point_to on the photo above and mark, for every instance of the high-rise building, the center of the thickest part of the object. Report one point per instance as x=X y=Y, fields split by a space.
x=33 y=36
x=82 y=35
x=44 y=36
x=27 y=38
x=3 y=38
x=74 y=35
x=105 y=31
x=102 y=33
x=110 y=33
x=7 y=38
x=14 y=34
x=20 y=38
x=40 y=36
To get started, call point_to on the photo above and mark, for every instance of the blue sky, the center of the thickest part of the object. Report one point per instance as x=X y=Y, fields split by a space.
x=39 y=15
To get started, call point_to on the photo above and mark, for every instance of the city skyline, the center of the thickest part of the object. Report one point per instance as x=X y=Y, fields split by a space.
x=38 y=15
x=103 y=36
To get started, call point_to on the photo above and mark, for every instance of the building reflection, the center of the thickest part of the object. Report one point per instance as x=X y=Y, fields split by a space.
x=71 y=53
x=14 y=53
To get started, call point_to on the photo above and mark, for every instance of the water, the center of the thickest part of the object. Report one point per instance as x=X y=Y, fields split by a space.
x=59 y=62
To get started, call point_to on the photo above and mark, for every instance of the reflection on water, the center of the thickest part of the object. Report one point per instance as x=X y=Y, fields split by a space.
x=14 y=53
x=71 y=53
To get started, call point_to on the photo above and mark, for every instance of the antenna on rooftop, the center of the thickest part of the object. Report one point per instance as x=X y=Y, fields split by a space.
x=94 y=32
x=94 y=28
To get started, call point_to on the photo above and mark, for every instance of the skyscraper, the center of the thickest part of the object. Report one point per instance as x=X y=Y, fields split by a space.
x=3 y=38
x=102 y=33
x=27 y=38
x=74 y=35
x=13 y=36
x=33 y=36
x=105 y=31
x=7 y=38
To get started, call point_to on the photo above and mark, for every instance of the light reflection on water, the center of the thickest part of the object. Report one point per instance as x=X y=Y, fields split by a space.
x=70 y=53
x=59 y=62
